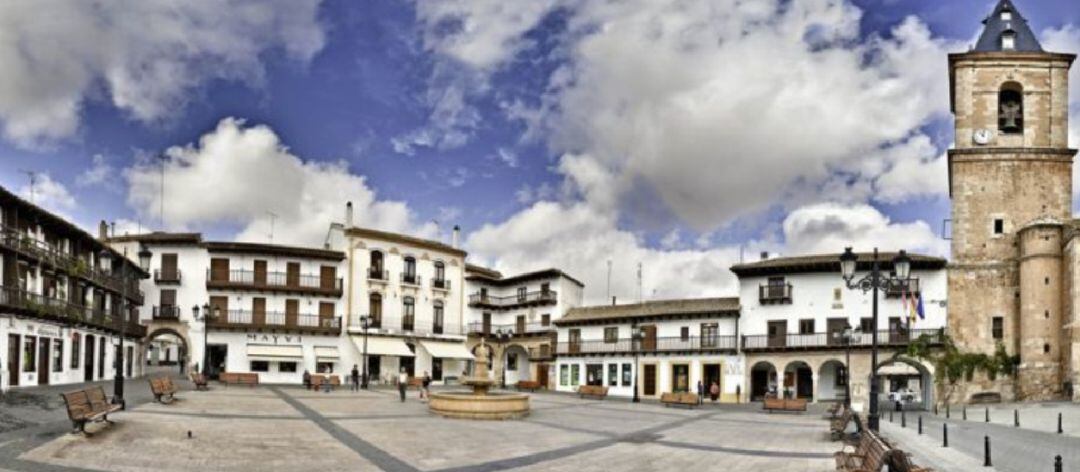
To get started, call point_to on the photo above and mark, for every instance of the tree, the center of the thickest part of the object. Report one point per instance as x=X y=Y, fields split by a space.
x=951 y=364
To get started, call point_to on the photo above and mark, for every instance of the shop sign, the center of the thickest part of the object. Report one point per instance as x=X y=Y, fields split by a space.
x=276 y=339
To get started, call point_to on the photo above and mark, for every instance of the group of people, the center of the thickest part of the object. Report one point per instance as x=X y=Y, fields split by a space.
x=714 y=392
x=402 y=382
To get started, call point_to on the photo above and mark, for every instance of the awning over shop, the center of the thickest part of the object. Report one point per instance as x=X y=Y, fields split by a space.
x=274 y=353
x=382 y=346
x=326 y=352
x=447 y=350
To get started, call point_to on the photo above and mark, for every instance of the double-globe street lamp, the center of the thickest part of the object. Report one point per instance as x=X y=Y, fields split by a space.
x=873 y=282
x=105 y=259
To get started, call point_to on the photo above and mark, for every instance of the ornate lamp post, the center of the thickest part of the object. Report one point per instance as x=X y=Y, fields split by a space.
x=365 y=323
x=872 y=283
x=636 y=335
x=105 y=259
x=208 y=314
x=846 y=336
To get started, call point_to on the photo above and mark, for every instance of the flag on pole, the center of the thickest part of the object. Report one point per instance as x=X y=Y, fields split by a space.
x=919 y=309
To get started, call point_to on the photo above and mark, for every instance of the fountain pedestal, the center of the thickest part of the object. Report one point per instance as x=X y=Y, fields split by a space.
x=480 y=404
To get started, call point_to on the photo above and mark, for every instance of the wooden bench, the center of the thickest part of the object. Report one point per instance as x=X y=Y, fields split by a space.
x=687 y=399
x=200 y=381
x=318 y=380
x=163 y=387
x=838 y=425
x=784 y=404
x=834 y=411
x=239 y=378
x=87 y=405
x=530 y=385
x=873 y=454
x=598 y=392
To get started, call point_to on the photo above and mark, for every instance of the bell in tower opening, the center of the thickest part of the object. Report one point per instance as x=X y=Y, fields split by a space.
x=1011 y=108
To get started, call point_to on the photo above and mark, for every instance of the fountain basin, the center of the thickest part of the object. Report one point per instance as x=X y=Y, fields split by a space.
x=489 y=406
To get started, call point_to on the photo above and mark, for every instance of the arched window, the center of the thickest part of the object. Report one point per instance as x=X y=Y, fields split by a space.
x=440 y=275
x=408 y=313
x=376 y=271
x=1008 y=40
x=1011 y=108
x=409 y=275
x=375 y=305
x=437 y=321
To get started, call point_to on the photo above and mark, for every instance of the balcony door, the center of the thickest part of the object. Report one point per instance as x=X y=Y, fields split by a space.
x=326 y=314
x=574 y=341
x=520 y=324
x=259 y=277
x=648 y=341
x=219 y=306
x=258 y=311
x=168 y=267
x=486 y=329
x=168 y=304
x=292 y=274
x=835 y=328
x=897 y=330
x=44 y=345
x=710 y=335
x=777 y=333
x=292 y=311
x=219 y=269
x=327 y=277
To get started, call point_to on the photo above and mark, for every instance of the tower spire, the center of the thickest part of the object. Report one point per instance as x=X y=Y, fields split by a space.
x=1006 y=30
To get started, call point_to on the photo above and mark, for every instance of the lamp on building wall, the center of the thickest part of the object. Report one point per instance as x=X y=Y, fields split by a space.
x=144 y=257
x=873 y=282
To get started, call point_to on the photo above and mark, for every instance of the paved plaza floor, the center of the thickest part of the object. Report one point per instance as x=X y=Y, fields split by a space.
x=288 y=428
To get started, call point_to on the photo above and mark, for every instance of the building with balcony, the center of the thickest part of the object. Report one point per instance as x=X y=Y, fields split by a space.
x=410 y=292
x=795 y=310
x=516 y=316
x=63 y=306
x=678 y=344
x=274 y=310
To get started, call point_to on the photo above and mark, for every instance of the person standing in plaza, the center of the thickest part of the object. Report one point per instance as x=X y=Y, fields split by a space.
x=403 y=381
x=355 y=378
x=425 y=391
x=700 y=392
x=714 y=392
x=307 y=380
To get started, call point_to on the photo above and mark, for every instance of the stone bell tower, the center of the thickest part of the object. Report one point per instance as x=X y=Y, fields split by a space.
x=1010 y=180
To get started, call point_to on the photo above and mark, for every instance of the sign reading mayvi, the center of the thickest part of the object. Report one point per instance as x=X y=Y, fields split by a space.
x=275 y=339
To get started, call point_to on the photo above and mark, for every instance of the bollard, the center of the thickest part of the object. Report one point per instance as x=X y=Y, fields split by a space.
x=965 y=412
x=1059 y=424
x=948 y=412
x=987 y=414
x=903 y=419
x=986 y=451
x=944 y=434
x=1057 y=464
x=1016 y=418
x=920 y=424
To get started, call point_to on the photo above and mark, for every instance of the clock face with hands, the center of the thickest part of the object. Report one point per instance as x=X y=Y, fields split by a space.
x=982 y=137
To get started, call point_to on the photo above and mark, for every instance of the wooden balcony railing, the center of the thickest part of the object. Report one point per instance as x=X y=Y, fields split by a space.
x=274 y=281
x=764 y=342
x=247 y=319
x=649 y=345
x=513 y=328
x=40 y=306
x=166 y=313
x=774 y=294
x=540 y=297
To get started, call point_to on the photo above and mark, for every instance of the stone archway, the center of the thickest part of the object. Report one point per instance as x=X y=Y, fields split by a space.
x=798 y=380
x=515 y=364
x=831 y=381
x=763 y=380
x=181 y=359
x=902 y=373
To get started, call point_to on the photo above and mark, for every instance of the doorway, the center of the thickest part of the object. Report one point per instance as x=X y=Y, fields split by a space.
x=680 y=378
x=373 y=363
x=218 y=354
x=710 y=374
x=101 y=357
x=649 y=382
x=409 y=365
x=542 y=374
x=436 y=368
x=44 y=345
x=594 y=374
x=13 y=360
x=88 y=359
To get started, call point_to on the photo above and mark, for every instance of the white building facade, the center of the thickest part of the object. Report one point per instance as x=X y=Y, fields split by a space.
x=516 y=317
x=680 y=343
x=62 y=319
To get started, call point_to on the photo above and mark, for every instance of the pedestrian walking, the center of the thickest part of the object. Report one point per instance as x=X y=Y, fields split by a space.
x=714 y=392
x=307 y=380
x=425 y=390
x=355 y=378
x=403 y=381
x=700 y=392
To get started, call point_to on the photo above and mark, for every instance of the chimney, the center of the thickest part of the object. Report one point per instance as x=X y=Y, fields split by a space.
x=455 y=238
x=348 y=215
x=764 y=255
x=103 y=230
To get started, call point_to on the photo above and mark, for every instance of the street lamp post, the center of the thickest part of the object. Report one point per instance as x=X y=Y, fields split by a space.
x=846 y=336
x=365 y=323
x=504 y=337
x=106 y=260
x=872 y=283
x=208 y=313
x=635 y=339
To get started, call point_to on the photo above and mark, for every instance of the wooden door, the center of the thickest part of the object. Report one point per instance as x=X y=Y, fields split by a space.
x=13 y=360
x=542 y=375
x=88 y=358
x=259 y=277
x=101 y=358
x=521 y=324
x=219 y=308
x=292 y=274
x=292 y=311
x=574 y=341
x=169 y=267
x=326 y=314
x=219 y=269
x=834 y=327
x=43 y=360
x=649 y=380
x=328 y=277
x=258 y=311
x=777 y=333
x=648 y=342
x=487 y=324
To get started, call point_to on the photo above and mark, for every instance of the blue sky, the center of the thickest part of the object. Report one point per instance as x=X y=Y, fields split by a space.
x=532 y=125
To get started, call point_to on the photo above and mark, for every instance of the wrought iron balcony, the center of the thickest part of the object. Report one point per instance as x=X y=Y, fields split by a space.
x=649 y=345
x=769 y=294
x=48 y=308
x=513 y=328
x=378 y=275
x=166 y=313
x=247 y=319
x=410 y=279
x=886 y=338
x=540 y=297
x=275 y=281
x=163 y=277
x=898 y=288
x=409 y=325
x=440 y=284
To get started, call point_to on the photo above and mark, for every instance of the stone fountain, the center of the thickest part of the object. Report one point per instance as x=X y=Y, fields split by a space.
x=480 y=404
